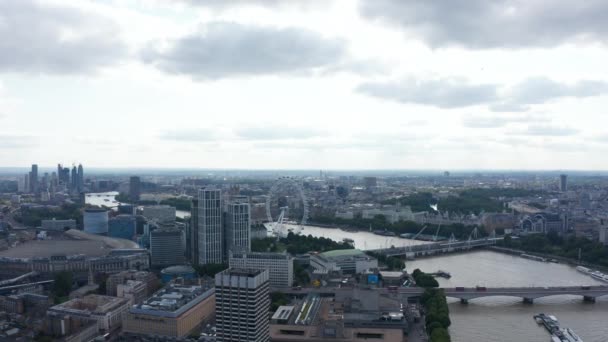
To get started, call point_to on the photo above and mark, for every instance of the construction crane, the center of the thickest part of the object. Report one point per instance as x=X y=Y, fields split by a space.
x=437 y=232
x=420 y=232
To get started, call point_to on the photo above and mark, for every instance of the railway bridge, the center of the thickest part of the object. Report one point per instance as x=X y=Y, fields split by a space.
x=528 y=294
x=465 y=294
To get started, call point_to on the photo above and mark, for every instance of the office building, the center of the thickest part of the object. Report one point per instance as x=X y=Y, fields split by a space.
x=147 y=278
x=95 y=221
x=126 y=209
x=242 y=304
x=132 y=290
x=166 y=247
x=174 y=311
x=104 y=310
x=122 y=226
x=210 y=228
x=238 y=225
x=563 y=183
x=58 y=225
x=80 y=178
x=347 y=261
x=279 y=265
x=370 y=182
x=34 y=186
x=192 y=234
x=348 y=316
x=134 y=188
x=74 y=179
x=161 y=214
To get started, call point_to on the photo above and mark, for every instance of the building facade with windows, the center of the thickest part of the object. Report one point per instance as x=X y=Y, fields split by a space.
x=210 y=226
x=238 y=225
x=279 y=265
x=242 y=304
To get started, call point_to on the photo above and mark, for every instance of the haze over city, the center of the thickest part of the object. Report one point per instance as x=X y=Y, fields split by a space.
x=303 y=170
x=304 y=84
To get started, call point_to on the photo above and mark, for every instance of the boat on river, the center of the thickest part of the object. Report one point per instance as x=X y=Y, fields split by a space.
x=593 y=273
x=384 y=233
x=558 y=334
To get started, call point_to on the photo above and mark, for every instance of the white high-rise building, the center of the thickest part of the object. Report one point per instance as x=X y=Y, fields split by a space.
x=210 y=226
x=242 y=302
x=279 y=265
x=238 y=225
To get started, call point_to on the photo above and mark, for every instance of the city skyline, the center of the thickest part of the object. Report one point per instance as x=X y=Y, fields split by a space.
x=303 y=85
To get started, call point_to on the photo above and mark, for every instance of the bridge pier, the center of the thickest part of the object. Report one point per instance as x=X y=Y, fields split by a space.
x=464 y=301
x=528 y=300
x=589 y=299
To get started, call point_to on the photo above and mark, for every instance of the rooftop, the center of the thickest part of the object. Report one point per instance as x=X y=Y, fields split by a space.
x=242 y=272
x=173 y=300
x=338 y=253
x=92 y=304
x=283 y=312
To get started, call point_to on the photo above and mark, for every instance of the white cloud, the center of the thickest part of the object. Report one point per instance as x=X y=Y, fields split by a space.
x=494 y=23
x=44 y=38
x=225 y=49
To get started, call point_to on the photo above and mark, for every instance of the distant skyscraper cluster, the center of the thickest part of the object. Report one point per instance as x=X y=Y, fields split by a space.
x=62 y=179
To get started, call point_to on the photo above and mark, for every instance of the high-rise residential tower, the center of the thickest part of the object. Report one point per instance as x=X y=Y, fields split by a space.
x=238 y=225
x=242 y=302
x=210 y=227
x=563 y=183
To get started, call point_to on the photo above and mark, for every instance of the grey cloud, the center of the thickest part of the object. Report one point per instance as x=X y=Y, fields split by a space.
x=222 y=4
x=442 y=93
x=41 y=38
x=454 y=93
x=508 y=107
x=277 y=133
x=223 y=49
x=494 y=23
x=539 y=90
x=190 y=135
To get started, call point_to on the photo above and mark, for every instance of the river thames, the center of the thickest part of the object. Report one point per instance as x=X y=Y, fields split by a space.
x=499 y=319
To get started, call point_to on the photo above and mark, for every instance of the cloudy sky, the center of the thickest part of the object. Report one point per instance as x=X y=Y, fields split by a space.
x=320 y=84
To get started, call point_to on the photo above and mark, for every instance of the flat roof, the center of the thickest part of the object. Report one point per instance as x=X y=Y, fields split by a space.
x=283 y=312
x=242 y=272
x=342 y=253
x=173 y=300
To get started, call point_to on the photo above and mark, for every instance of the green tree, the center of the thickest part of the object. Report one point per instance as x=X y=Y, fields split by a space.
x=62 y=286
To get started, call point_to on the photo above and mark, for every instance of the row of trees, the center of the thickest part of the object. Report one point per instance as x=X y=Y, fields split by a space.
x=32 y=217
x=467 y=201
x=297 y=244
x=437 y=315
x=424 y=280
x=437 y=318
x=592 y=252
x=459 y=230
